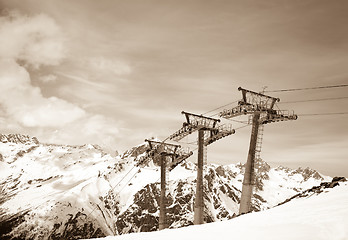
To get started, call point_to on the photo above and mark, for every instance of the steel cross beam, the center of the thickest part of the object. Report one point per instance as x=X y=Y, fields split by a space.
x=193 y=123
x=163 y=148
x=254 y=96
x=218 y=133
x=277 y=116
x=179 y=158
x=253 y=102
x=160 y=148
x=250 y=103
x=177 y=154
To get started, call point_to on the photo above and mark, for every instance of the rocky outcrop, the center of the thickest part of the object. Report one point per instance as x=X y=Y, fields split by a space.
x=317 y=189
x=8 y=223
x=308 y=173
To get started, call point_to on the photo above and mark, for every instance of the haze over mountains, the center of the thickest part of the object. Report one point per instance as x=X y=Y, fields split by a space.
x=53 y=191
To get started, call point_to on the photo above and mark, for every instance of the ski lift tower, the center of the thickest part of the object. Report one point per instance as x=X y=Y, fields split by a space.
x=260 y=108
x=162 y=151
x=208 y=132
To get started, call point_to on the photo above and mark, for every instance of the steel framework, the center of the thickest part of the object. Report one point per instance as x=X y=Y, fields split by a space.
x=215 y=132
x=164 y=150
x=260 y=106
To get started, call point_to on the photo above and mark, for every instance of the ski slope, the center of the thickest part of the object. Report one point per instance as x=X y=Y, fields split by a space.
x=323 y=216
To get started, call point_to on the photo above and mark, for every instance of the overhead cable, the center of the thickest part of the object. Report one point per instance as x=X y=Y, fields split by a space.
x=309 y=88
x=318 y=114
x=220 y=107
x=315 y=100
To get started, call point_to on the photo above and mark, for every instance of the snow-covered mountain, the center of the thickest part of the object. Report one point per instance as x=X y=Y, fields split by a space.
x=320 y=213
x=69 y=192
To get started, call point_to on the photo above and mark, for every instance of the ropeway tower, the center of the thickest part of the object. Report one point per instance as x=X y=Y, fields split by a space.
x=159 y=152
x=208 y=132
x=260 y=108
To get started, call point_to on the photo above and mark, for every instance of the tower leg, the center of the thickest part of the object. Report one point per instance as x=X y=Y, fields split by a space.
x=162 y=216
x=198 y=208
x=248 y=181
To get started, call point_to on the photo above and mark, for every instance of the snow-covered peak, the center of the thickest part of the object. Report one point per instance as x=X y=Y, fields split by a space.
x=135 y=151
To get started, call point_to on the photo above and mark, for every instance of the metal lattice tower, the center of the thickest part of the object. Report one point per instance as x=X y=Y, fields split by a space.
x=163 y=151
x=205 y=126
x=260 y=106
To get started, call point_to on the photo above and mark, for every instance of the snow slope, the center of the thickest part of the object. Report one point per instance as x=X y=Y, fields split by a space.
x=323 y=216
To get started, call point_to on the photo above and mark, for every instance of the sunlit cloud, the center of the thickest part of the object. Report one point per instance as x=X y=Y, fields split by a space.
x=35 y=40
x=30 y=42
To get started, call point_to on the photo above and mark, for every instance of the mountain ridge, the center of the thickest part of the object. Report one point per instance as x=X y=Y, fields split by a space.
x=63 y=191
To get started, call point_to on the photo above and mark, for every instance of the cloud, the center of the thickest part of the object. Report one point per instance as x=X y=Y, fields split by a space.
x=95 y=129
x=114 y=66
x=81 y=80
x=35 y=40
x=50 y=78
x=25 y=104
x=29 y=42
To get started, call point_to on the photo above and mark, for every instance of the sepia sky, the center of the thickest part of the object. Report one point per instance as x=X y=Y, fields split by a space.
x=116 y=72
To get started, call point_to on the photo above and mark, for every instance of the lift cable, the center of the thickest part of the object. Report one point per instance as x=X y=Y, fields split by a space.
x=122 y=180
x=129 y=181
x=315 y=100
x=319 y=114
x=139 y=171
x=309 y=88
x=220 y=107
x=238 y=121
x=247 y=125
x=113 y=188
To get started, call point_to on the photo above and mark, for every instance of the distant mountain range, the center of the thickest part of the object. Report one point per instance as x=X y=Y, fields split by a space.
x=50 y=191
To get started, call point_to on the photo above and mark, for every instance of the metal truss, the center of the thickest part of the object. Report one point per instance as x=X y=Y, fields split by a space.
x=196 y=122
x=250 y=103
x=277 y=116
x=157 y=149
x=258 y=100
x=179 y=158
x=253 y=102
x=218 y=133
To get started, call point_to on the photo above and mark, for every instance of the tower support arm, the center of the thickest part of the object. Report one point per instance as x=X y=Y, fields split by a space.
x=200 y=116
x=244 y=91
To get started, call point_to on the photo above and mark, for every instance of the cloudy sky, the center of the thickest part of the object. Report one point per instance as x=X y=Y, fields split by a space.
x=116 y=72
